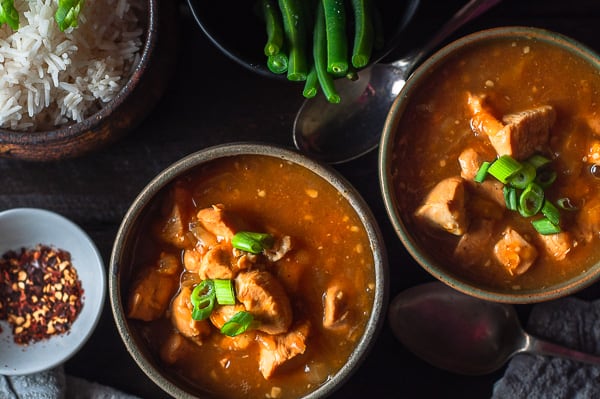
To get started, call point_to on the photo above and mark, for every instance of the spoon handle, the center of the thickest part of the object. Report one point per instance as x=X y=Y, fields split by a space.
x=542 y=347
x=468 y=12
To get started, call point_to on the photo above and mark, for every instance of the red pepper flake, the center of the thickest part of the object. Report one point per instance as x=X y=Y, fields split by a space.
x=40 y=293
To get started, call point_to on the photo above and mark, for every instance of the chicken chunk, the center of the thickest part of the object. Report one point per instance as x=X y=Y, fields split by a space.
x=335 y=307
x=178 y=211
x=217 y=263
x=557 y=245
x=588 y=221
x=181 y=317
x=514 y=253
x=519 y=134
x=281 y=247
x=444 y=206
x=468 y=249
x=276 y=350
x=264 y=296
x=219 y=222
x=151 y=293
x=174 y=348
x=470 y=161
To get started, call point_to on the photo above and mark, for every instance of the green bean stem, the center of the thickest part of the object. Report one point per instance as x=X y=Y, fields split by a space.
x=294 y=26
x=337 y=42
x=278 y=63
x=311 y=86
x=320 y=57
x=274 y=27
x=363 y=33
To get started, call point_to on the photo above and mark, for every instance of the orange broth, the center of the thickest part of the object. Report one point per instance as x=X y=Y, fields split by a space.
x=435 y=128
x=274 y=195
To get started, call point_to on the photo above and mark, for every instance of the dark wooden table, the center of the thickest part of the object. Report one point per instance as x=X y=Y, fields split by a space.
x=212 y=100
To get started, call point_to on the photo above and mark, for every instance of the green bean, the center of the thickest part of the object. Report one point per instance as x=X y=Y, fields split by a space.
x=294 y=26
x=274 y=27
x=278 y=63
x=363 y=33
x=320 y=57
x=311 y=86
x=337 y=42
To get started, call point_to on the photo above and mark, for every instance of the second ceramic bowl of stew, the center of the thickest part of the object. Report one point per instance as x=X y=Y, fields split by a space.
x=498 y=195
x=249 y=268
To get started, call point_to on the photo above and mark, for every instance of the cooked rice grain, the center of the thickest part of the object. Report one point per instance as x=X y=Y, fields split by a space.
x=50 y=78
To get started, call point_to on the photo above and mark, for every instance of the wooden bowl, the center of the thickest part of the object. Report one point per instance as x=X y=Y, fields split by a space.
x=119 y=116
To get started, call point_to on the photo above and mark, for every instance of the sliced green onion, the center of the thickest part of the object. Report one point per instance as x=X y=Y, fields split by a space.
x=510 y=197
x=531 y=200
x=545 y=227
x=252 y=242
x=203 y=299
x=523 y=176
x=566 y=204
x=551 y=212
x=482 y=172
x=545 y=177
x=9 y=14
x=224 y=292
x=538 y=161
x=238 y=324
x=504 y=167
x=67 y=13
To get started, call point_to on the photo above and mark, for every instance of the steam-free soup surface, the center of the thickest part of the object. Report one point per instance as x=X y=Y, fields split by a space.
x=327 y=277
x=463 y=114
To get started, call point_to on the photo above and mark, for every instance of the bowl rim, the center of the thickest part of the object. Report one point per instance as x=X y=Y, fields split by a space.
x=385 y=155
x=381 y=269
x=58 y=349
x=251 y=64
x=78 y=129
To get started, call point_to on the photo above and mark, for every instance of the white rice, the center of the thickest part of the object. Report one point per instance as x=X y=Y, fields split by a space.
x=49 y=78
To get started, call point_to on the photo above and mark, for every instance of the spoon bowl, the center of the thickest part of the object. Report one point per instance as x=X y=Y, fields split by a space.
x=338 y=133
x=464 y=334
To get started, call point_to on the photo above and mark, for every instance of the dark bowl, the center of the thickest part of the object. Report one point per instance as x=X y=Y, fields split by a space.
x=420 y=100
x=121 y=114
x=126 y=260
x=239 y=33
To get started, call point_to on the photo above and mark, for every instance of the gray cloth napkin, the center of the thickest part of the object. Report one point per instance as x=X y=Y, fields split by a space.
x=571 y=322
x=55 y=384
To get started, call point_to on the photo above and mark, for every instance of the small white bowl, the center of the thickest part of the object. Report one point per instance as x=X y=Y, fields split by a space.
x=26 y=228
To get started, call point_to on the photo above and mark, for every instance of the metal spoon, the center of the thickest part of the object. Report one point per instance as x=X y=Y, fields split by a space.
x=463 y=334
x=337 y=133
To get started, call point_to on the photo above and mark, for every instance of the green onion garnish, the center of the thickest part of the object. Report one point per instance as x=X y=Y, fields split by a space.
x=538 y=161
x=523 y=176
x=510 y=197
x=566 y=204
x=545 y=178
x=504 y=167
x=224 y=292
x=9 y=14
x=545 y=227
x=551 y=212
x=203 y=299
x=531 y=200
x=252 y=242
x=238 y=324
x=482 y=172
x=67 y=13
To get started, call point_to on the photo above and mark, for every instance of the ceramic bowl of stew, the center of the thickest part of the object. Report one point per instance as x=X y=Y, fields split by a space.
x=90 y=84
x=247 y=267
x=498 y=195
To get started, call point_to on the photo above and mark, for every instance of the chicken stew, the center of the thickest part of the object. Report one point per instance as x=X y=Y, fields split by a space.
x=292 y=259
x=520 y=102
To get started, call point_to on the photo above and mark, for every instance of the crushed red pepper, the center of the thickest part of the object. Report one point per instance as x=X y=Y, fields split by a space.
x=40 y=292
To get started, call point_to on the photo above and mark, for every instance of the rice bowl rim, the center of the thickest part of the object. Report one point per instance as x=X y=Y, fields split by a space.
x=72 y=130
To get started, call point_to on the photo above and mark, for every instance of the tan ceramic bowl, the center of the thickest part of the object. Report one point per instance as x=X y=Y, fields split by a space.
x=392 y=134
x=121 y=263
x=119 y=116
